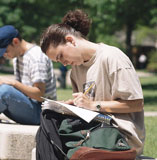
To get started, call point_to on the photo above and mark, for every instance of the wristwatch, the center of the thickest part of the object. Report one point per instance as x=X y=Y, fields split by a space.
x=98 y=107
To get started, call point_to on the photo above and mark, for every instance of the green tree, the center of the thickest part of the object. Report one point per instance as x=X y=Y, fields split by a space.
x=113 y=15
x=31 y=17
x=108 y=16
x=144 y=32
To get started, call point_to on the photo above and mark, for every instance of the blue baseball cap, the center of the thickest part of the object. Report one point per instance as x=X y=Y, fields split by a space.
x=7 y=33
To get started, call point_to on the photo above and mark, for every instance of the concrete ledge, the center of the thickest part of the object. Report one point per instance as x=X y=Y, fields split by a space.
x=34 y=154
x=17 y=141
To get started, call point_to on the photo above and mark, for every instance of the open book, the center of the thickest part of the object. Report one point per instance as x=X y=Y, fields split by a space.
x=85 y=114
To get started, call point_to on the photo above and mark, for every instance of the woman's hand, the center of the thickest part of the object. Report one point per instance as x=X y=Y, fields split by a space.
x=70 y=101
x=83 y=101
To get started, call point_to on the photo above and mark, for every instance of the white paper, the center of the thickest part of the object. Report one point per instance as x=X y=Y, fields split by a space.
x=85 y=114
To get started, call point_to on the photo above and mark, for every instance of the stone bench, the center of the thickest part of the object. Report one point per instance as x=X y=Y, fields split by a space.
x=16 y=141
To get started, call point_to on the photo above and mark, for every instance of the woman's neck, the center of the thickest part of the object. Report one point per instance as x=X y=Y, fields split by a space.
x=88 y=50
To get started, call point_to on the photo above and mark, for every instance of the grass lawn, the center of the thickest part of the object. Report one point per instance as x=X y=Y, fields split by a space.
x=149 y=86
x=64 y=94
x=150 y=148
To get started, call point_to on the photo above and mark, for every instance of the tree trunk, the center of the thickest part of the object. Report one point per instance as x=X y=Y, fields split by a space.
x=129 y=30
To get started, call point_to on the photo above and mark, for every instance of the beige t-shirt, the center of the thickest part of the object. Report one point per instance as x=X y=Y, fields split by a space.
x=114 y=77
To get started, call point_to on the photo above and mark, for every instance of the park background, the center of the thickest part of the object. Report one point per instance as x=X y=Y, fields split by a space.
x=130 y=25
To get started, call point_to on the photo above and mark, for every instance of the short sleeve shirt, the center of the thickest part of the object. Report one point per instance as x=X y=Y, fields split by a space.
x=33 y=67
x=114 y=78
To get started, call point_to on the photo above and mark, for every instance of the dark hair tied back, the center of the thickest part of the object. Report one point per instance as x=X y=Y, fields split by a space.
x=78 y=20
x=74 y=22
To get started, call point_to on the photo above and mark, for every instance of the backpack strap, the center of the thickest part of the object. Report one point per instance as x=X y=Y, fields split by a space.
x=47 y=133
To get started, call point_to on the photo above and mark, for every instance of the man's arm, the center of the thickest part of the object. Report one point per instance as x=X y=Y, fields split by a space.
x=34 y=92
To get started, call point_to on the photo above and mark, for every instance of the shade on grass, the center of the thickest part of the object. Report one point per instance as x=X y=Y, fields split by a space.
x=149 y=87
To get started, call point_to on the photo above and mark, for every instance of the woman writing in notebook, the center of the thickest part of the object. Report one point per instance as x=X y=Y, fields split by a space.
x=103 y=78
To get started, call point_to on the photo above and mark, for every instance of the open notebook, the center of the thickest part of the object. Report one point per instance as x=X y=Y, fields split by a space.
x=85 y=114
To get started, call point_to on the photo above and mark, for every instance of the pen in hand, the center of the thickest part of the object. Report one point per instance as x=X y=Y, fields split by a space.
x=88 y=89
x=76 y=95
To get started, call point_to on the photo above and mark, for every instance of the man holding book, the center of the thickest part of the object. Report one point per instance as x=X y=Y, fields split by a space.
x=20 y=99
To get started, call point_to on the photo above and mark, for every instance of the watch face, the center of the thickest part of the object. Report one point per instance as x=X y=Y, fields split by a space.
x=98 y=107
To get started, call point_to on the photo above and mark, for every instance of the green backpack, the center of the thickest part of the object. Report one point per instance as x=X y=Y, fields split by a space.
x=101 y=136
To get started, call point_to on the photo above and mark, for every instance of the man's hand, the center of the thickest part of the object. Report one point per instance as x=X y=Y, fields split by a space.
x=35 y=92
x=7 y=81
